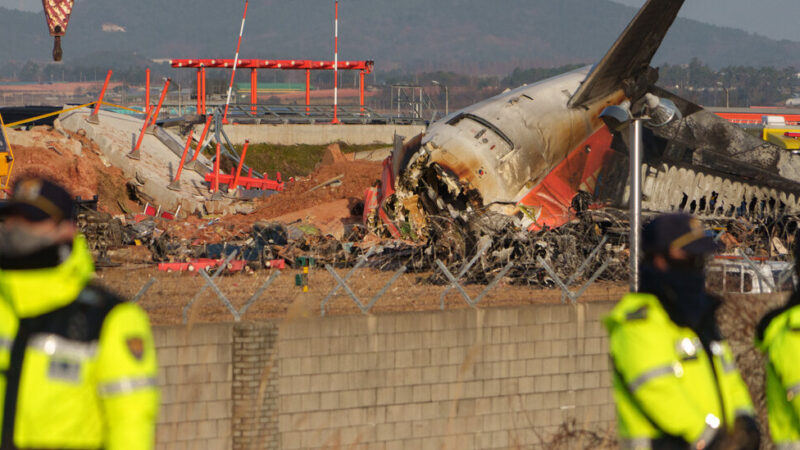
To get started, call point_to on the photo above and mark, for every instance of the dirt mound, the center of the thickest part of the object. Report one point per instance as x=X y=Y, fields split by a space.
x=328 y=195
x=71 y=160
x=330 y=205
x=357 y=176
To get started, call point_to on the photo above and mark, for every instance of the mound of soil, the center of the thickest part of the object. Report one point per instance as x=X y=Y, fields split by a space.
x=328 y=208
x=73 y=161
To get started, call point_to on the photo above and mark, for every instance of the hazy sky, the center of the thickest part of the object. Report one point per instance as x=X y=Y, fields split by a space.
x=776 y=19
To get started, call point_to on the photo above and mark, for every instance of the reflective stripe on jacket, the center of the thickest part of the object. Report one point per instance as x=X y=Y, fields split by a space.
x=79 y=373
x=781 y=344
x=665 y=383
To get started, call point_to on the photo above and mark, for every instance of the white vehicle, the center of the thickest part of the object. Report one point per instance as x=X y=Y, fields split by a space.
x=736 y=275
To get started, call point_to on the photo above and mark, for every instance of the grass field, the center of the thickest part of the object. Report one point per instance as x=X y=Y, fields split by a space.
x=289 y=160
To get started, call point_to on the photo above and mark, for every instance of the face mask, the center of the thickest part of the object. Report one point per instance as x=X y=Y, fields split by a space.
x=684 y=290
x=17 y=243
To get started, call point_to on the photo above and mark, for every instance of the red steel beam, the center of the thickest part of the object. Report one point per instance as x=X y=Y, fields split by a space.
x=102 y=94
x=272 y=64
x=361 y=90
x=147 y=89
x=199 y=93
x=203 y=77
x=253 y=90
x=755 y=117
x=308 y=91
x=161 y=101
x=239 y=168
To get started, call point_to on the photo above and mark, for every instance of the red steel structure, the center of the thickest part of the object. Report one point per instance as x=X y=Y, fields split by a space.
x=93 y=117
x=255 y=64
x=754 y=117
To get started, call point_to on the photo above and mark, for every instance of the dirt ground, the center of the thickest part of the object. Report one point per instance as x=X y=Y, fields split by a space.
x=45 y=152
x=165 y=300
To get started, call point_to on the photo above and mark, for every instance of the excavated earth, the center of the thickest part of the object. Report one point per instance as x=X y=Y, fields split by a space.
x=72 y=160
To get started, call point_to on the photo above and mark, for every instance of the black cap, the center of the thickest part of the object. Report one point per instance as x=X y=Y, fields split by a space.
x=38 y=199
x=678 y=231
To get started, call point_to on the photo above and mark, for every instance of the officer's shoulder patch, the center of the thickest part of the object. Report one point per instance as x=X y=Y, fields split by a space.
x=639 y=314
x=135 y=346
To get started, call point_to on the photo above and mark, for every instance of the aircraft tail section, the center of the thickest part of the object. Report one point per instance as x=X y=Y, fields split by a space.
x=627 y=63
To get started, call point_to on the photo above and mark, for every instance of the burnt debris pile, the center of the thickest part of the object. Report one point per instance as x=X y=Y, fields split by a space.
x=595 y=245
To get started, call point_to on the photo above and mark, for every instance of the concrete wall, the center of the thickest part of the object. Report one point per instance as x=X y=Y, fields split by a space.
x=467 y=379
x=195 y=379
x=317 y=134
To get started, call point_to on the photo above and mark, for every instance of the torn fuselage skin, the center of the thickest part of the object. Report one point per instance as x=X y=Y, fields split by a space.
x=489 y=155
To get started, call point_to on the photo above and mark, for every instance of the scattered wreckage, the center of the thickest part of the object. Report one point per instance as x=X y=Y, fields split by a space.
x=542 y=155
x=540 y=173
x=595 y=238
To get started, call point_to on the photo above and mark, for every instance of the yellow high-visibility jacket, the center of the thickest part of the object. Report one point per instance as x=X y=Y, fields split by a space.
x=781 y=343
x=665 y=386
x=77 y=365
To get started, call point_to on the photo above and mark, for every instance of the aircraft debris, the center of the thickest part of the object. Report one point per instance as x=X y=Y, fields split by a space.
x=541 y=154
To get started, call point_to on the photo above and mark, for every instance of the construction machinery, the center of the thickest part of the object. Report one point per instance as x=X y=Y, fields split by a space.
x=57 y=13
x=777 y=132
x=6 y=157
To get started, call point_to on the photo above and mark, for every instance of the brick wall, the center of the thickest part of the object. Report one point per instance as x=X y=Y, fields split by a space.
x=255 y=385
x=480 y=379
x=195 y=380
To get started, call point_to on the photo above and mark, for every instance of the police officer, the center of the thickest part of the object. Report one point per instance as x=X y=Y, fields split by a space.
x=778 y=336
x=675 y=382
x=77 y=364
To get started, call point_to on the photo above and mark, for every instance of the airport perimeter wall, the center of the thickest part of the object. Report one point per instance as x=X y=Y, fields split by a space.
x=486 y=378
x=317 y=134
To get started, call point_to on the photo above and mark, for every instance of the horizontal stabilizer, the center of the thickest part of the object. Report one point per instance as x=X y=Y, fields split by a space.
x=629 y=58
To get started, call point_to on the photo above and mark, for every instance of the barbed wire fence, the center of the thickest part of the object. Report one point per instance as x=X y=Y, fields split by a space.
x=455 y=277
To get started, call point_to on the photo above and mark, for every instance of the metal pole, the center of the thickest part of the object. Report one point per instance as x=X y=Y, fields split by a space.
x=253 y=90
x=215 y=180
x=235 y=63
x=239 y=168
x=199 y=92
x=635 y=201
x=202 y=138
x=134 y=154
x=160 y=101
x=176 y=183
x=361 y=90
x=203 y=77
x=308 y=91
x=93 y=117
x=446 y=102
x=336 y=64
x=146 y=89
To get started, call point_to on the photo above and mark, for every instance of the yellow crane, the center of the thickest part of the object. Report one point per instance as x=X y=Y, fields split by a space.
x=6 y=157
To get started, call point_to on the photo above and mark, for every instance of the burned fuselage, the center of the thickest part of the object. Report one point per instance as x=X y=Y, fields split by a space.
x=491 y=154
x=541 y=153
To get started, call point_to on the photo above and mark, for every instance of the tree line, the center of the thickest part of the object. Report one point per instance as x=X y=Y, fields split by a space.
x=735 y=86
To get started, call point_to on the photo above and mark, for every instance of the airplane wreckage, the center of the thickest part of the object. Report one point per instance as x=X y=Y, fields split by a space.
x=540 y=173
x=543 y=156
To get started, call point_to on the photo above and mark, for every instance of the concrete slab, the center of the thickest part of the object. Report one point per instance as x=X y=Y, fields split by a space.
x=116 y=134
x=316 y=134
